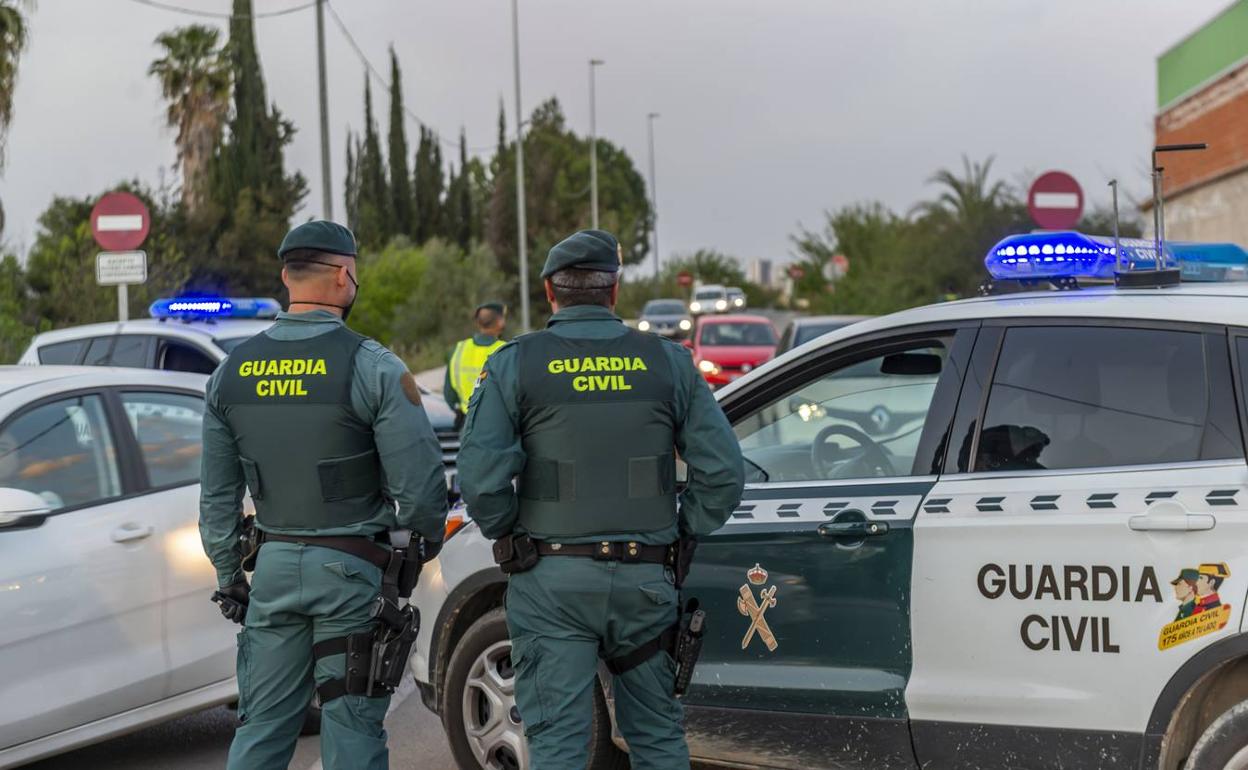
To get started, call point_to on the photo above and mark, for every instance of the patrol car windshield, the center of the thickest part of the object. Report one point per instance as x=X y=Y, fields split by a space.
x=664 y=307
x=745 y=334
x=862 y=420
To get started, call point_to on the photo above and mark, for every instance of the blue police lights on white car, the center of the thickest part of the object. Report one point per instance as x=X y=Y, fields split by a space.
x=214 y=307
x=1073 y=255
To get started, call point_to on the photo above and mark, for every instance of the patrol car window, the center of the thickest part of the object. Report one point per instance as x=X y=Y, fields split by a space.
x=62 y=352
x=98 y=352
x=862 y=420
x=62 y=452
x=130 y=350
x=180 y=357
x=167 y=427
x=1084 y=397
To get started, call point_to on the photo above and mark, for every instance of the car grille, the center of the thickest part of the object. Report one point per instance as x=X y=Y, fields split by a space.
x=449 y=441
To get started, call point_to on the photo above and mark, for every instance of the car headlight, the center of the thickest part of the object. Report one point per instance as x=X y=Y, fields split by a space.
x=739 y=301
x=685 y=324
x=644 y=326
x=708 y=367
x=695 y=307
x=721 y=304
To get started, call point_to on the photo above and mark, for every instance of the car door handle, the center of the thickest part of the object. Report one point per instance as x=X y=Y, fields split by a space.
x=130 y=532
x=853 y=529
x=1172 y=522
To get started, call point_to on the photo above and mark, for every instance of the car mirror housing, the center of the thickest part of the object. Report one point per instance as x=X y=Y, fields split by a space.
x=18 y=507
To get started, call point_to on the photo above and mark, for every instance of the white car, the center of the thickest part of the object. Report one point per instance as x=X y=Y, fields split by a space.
x=1002 y=532
x=104 y=585
x=194 y=335
x=710 y=298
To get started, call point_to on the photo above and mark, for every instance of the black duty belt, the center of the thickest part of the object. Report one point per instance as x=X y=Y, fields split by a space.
x=364 y=547
x=627 y=551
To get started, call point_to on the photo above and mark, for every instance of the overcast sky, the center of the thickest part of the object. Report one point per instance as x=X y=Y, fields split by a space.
x=773 y=111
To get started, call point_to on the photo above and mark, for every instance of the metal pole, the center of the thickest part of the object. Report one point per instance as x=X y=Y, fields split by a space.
x=123 y=302
x=1113 y=183
x=593 y=146
x=327 y=188
x=522 y=228
x=654 y=196
x=1156 y=214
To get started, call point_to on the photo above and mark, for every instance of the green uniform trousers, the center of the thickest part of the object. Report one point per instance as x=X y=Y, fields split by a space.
x=301 y=595
x=560 y=614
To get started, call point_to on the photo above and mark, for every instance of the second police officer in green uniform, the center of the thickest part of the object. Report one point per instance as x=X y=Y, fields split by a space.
x=589 y=417
x=325 y=429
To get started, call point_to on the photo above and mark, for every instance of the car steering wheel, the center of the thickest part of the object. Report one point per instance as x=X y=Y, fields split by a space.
x=873 y=455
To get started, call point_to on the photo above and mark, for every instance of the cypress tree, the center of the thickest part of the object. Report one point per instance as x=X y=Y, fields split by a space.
x=400 y=178
x=374 y=194
x=430 y=184
x=462 y=198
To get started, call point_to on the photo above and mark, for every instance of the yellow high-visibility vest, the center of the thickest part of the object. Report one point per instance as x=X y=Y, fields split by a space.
x=466 y=364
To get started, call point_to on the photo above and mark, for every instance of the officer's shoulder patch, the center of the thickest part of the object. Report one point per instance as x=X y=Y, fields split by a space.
x=410 y=388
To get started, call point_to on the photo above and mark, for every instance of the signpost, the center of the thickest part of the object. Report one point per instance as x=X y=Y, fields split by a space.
x=1055 y=201
x=120 y=223
x=684 y=278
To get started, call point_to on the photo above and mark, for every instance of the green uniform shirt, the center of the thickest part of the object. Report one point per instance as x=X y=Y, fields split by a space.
x=411 y=458
x=491 y=455
x=449 y=393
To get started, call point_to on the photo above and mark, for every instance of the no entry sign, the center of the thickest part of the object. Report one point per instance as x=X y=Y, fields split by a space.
x=120 y=222
x=1055 y=201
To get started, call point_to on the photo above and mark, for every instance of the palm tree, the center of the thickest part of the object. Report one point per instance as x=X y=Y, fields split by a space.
x=195 y=78
x=969 y=198
x=14 y=34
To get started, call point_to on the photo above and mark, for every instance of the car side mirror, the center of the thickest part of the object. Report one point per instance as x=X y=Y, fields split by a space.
x=20 y=508
x=911 y=364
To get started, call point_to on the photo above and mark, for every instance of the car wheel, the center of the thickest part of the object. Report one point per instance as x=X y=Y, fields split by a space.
x=1224 y=744
x=479 y=707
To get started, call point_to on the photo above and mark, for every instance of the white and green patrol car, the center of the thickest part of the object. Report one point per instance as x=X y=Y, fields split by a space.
x=1002 y=532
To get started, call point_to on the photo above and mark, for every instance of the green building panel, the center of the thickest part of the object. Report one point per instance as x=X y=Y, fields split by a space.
x=1203 y=55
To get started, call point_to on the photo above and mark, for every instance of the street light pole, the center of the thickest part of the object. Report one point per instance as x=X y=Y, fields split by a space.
x=654 y=195
x=593 y=145
x=522 y=228
x=327 y=190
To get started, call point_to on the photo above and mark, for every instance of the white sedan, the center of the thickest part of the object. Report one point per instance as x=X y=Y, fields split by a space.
x=104 y=586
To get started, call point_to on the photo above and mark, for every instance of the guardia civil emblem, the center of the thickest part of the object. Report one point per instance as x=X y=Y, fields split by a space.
x=1201 y=611
x=756 y=608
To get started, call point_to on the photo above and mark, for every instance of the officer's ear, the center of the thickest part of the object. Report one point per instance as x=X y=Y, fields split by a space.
x=615 y=294
x=550 y=293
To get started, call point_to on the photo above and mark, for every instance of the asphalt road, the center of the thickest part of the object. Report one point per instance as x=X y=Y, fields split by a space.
x=201 y=741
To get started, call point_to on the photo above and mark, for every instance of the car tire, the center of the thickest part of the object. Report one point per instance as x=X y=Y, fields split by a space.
x=479 y=692
x=1224 y=744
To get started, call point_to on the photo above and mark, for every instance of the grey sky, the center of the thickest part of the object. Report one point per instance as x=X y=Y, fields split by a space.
x=772 y=112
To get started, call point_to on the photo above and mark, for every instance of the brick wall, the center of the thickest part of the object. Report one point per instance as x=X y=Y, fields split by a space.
x=1218 y=115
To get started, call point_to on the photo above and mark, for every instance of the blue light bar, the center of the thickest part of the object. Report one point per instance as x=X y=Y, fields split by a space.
x=214 y=307
x=1210 y=261
x=1068 y=254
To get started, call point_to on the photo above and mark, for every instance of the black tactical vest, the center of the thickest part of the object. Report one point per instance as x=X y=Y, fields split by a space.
x=598 y=428
x=309 y=460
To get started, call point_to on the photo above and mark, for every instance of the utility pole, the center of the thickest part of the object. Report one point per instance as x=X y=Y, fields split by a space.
x=654 y=195
x=327 y=188
x=593 y=145
x=521 y=225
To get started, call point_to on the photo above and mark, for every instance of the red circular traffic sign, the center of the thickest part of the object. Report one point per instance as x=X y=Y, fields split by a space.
x=120 y=221
x=684 y=278
x=1055 y=201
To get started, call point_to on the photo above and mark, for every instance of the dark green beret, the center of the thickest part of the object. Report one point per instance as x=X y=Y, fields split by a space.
x=319 y=235
x=497 y=307
x=587 y=250
x=1186 y=574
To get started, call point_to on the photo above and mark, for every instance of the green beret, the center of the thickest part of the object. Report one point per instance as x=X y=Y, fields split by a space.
x=497 y=307
x=587 y=250
x=1187 y=574
x=319 y=235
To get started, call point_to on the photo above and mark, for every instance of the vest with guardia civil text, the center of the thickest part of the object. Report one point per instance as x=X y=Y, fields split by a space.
x=310 y=462
x=598 y=429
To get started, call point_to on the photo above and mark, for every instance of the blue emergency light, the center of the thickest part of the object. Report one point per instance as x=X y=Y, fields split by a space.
x=1068 y=254
x=190 y=308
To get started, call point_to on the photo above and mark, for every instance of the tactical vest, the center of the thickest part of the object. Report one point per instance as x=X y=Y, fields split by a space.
x=466 y=364
x=310 y=462
x=598 y=428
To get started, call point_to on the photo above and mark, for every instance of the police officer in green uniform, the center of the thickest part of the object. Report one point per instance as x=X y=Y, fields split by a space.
x=589 y=416
x=325 y=429
x=468 y=359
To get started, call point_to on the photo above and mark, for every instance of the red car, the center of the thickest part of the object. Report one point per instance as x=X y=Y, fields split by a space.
x=727 y=346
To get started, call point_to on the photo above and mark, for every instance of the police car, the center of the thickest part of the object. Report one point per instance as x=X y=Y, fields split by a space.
x=104 y=584
x=1010 y=531
x=193 y=334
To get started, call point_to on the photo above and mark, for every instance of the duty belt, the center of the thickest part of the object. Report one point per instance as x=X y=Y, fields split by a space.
x=365 y=548
x=624 y=551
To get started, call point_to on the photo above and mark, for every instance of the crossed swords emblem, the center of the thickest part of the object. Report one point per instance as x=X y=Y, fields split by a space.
x=755 y=610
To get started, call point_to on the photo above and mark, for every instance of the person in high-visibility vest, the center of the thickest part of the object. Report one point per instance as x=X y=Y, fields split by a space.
x=468 y=358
